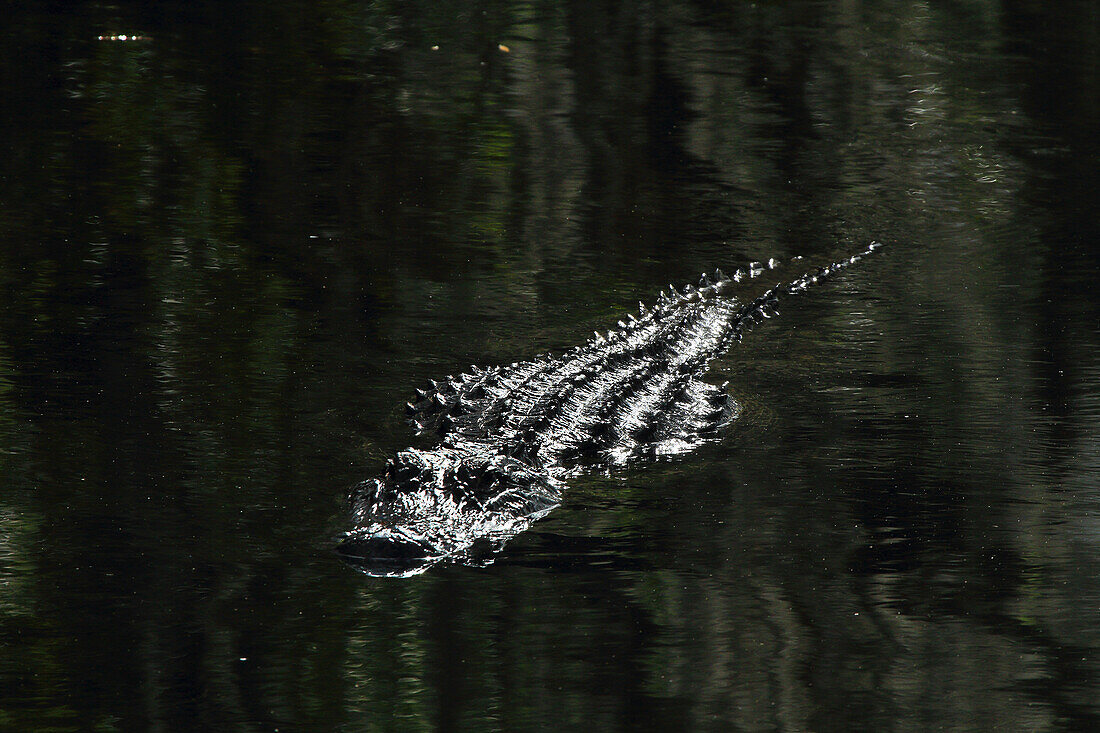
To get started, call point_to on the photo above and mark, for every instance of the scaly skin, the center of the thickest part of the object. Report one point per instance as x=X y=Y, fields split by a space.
x=512 y=436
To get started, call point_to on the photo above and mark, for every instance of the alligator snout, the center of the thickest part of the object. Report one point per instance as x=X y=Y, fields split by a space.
x=384 y=553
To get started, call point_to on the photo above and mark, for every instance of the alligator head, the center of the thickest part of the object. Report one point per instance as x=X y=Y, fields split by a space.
x=457 y=502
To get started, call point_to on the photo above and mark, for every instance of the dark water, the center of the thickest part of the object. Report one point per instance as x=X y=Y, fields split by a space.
x=231 y=248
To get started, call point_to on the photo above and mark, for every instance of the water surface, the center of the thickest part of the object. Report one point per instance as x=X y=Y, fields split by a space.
x=231 y=248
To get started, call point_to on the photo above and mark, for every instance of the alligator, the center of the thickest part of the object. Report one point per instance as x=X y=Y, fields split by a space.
x=510 y=437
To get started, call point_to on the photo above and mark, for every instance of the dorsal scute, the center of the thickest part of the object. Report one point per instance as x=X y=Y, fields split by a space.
x=449 y=404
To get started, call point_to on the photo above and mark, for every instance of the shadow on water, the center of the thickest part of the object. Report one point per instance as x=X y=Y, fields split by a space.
x=231 y=248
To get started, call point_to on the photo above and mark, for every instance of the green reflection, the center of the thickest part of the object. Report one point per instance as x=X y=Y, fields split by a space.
x=229 y=252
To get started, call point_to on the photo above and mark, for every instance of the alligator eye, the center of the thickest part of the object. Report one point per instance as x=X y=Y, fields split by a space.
x=402 y=472
x=489 y=476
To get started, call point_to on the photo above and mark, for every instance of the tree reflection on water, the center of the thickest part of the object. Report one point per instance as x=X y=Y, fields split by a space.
x=229 y=250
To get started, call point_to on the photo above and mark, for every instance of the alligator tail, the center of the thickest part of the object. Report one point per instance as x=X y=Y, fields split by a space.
x=764 y=305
